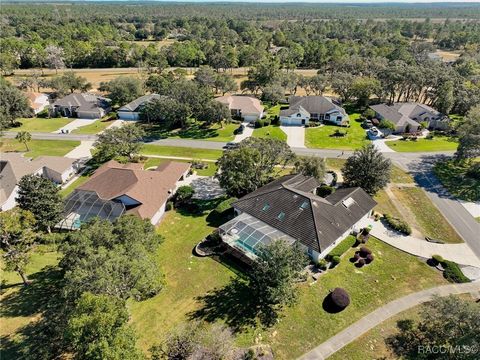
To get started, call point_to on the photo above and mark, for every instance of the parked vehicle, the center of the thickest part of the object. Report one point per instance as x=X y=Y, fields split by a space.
x=367 y=124
x=231 y=146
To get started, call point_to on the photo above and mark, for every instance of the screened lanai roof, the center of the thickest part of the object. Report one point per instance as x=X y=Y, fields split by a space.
x=249 y=234
x=83 y=205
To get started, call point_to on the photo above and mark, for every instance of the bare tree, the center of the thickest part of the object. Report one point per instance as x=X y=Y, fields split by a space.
x=55 y=57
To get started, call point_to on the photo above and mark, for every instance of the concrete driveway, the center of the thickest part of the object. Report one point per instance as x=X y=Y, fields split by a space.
x=295 y=136
x=247 y=132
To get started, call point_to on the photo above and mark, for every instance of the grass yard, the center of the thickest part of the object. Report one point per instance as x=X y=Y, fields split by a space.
x=323 y=137
x=190 y=153
x=335 y=164
x=209 y=171
x=454 y=176
x=427 y=215
x=40 y=124
x=400 y=176
x=39 y=147
x=94 y=128
x=438 y=143
x=81 y=180
x=194 y=132
x=270 y=131
x=385 y=205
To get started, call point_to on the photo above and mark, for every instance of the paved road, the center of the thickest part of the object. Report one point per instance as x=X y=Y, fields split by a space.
x=383 y=313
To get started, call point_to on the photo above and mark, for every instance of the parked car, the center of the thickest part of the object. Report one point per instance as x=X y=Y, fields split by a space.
x=374 y=133
x=231 y=145
x=367 y=124
x=239 y=130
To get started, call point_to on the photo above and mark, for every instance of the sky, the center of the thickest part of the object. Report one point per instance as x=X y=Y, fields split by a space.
x=317 y=1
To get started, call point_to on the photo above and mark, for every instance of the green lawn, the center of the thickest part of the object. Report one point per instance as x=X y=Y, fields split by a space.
x=400 y=176
x=150 y=149
x=426 y=214
x=454 y=176
x=438 y=143
x=209 y=171
x=270 y=131
x=40 y=147
x=385 y=205
x=81 y=180
x=94 y=128
x=323 y=137
x=195 y=132
x=41 y=124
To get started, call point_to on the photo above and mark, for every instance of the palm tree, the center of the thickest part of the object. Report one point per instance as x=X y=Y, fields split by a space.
x=24 y=137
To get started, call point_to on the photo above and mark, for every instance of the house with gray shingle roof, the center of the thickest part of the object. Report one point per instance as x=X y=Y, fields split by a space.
x=131 y=111
x=407 y=116
x=82 y=106
x=302 y=109
x=288 y=209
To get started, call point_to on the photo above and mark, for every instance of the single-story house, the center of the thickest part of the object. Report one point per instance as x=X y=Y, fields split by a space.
x=246 y=107
x=115 y=189
x=407 y=116
x=288 y=209
x=82 y=105
x=302 y=109
x=14 y=166
x=131 y=111
x=38 y=101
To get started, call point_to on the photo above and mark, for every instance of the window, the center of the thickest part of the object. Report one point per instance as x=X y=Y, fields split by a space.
x=304 y=205
x=266 y=207
x=281 y=216
x=299 y=115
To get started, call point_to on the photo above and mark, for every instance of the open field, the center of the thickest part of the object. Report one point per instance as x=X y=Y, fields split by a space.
x=438 y=143
x=41 y=125
x=426 y=214
x=150 y=149
x=270 y=131
x=323 y=137
x=39 y=147
x=94 y=128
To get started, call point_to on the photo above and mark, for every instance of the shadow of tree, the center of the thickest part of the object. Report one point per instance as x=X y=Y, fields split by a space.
x=43 y=338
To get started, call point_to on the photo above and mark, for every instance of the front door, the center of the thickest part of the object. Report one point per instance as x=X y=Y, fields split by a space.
x=303 y=121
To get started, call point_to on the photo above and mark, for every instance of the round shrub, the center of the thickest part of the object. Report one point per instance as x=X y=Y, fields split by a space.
x=356 y=256
x=340 y=298
x=169 y=206
x=437 y=259
x=369 y=258
x=364 y=251
x=360 y=263
x=335 y=260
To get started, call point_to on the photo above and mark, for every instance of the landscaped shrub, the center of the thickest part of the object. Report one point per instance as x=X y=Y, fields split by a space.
x=437 y=259
x=364 y=251
x=169 y=206
x=340 y=298
x=335 y=260
x=325 y=190
x=274 y=120
x=43 y=114
x=369 y=258
x=360 y=263
x=322 y=264
x=397 y=224
x=266 y=122
x=259 y=123
x=344 y=245
x=225 y=205
x=453 y=273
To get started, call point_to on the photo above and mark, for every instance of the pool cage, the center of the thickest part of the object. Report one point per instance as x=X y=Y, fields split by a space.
x=249 y=235
x=82 y=206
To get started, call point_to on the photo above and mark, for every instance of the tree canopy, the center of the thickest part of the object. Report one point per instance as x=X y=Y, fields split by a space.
x=121 y=141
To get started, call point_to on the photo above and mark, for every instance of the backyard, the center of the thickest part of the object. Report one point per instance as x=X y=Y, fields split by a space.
x=325 y=136
x=39 y=147
x=41 y=124
x=438 y=143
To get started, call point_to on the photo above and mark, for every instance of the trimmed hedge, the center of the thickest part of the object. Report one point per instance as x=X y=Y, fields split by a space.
x=397 y=224
x=453 y=273
x=341 y=248
x=225 y=205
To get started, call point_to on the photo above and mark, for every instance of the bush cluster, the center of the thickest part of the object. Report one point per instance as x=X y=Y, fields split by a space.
x=225 y=205
x=341 y=248
x=325 y=190
x=261 y=123
x=453 y=273
x=397 y=224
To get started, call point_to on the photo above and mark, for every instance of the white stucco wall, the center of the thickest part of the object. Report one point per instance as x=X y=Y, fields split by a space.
x=294 y=120
x=128 y=115
x=158 y=215
x=10 y=203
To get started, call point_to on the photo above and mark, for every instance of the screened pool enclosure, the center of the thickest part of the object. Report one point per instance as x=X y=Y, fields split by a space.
x=82 y=205
x=249 y=235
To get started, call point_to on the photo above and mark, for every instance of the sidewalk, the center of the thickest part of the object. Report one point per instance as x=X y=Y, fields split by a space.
x=383 y=313
x=459 y=253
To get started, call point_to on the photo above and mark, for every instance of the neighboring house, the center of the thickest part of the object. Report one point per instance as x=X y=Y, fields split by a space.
x=115 y=189
x=246 y=107
x=302 y=109
x=82 y=105
x=38 y=101
x=131 y=111
x=407 y=116
x=288 y=209
x=14 y=166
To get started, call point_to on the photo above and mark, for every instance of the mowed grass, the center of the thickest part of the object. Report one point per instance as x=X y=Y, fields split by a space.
x=190 y=153
x=400 y=176
x=270 y=131
x=39 y=147
x=385 y=205
x=322 y=137
x=440 y=143
x=187 y=277
x=41 y=125
x=209 y=171
x=94 y=128
x=455 y=177
x=426 y=214
x=194 y=131
x=81 y=180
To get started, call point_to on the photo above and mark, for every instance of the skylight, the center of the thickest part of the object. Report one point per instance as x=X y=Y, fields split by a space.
x=281 y=216
x=304 y=205
x=348 y=202
x=266 y=207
